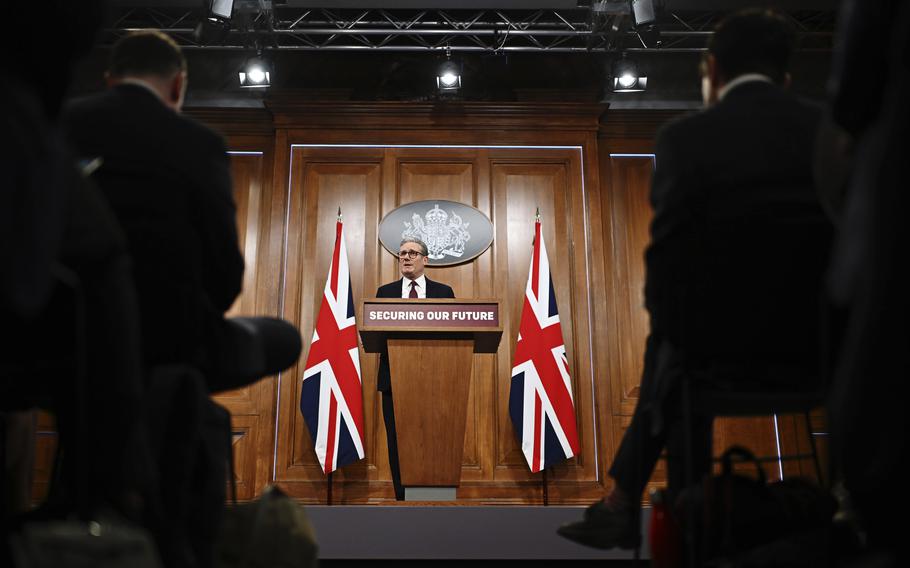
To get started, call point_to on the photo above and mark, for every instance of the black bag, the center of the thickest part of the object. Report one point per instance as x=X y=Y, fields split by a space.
x=77 y=544
x=734 y=513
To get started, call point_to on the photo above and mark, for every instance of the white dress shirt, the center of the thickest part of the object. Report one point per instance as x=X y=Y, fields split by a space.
x=421 y=287
x=742 y=79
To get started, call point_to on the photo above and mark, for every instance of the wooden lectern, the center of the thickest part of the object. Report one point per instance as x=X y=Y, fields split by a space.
x=431 y=343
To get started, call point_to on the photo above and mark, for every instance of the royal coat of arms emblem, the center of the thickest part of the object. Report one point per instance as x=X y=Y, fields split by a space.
x=453 y=232
x=444 y=234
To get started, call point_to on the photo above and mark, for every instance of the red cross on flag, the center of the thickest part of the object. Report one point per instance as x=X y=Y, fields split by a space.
x=331 y=398
x=540 y=401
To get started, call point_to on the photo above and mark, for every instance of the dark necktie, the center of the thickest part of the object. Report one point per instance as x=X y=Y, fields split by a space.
x=413 y=293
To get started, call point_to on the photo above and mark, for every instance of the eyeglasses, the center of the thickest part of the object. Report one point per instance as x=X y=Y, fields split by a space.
x=412 y=254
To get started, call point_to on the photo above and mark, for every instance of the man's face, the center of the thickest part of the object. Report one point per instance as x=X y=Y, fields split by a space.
x=411 y=267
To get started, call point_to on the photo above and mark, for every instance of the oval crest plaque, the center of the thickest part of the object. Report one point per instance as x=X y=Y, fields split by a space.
x=454 y=232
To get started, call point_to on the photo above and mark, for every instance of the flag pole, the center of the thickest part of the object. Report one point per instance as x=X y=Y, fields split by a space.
x=546 y=496
x=328 y=478
x=543 y=477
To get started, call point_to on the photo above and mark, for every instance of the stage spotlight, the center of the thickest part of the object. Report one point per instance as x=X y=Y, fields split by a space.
x=644 y=17
x=626 y=77
x=257 y=73
x=643 y=12
x=215 y=26
x=222 y=9
x=448 y=77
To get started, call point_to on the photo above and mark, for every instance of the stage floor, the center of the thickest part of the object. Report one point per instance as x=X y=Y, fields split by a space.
x=408 y=532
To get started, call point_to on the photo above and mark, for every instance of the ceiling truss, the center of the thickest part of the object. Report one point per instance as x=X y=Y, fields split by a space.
x=491 y=31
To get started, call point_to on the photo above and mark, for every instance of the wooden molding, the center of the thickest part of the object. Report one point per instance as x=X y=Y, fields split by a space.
x=642 y=123
x=302 y=114
x=235 y=121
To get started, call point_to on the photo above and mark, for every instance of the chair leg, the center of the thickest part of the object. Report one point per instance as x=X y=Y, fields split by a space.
x=814 y=446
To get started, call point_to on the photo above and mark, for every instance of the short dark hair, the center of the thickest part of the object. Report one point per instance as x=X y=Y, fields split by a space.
x=753 y=41
x=146 y=52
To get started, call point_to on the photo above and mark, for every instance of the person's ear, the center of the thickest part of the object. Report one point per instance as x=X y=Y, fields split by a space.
x=177 y=90
x=711 y=80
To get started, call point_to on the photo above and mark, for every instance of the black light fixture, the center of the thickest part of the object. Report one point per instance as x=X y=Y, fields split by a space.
x=644 y=18
x=215 y=26
x=643 y=12
x=256 y=73
x=626 y=77
x=221 y=9
x=448 y=76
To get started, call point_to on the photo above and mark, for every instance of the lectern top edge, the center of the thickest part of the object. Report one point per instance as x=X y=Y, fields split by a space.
x=430 y=300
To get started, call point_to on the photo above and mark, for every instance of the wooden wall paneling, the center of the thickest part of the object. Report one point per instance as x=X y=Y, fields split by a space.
x=479 y=461
x=424 y=176
x=250 y=171
x=451 y=180
x=260 y=220
x=519 y=189
x=245 y=448
x=794 y=437
x=246 y=171
x=270 y=258
x=402 y=170
x=602 y=304
x=45 y=448
x=318 y=187
x=433 y=123
x=582 y=305
x=630 y=212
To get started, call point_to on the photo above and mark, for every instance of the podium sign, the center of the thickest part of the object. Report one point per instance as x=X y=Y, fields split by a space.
x=430 y=344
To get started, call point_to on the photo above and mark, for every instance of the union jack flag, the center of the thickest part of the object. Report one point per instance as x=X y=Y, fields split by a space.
x=540 y=400
x=331 y=398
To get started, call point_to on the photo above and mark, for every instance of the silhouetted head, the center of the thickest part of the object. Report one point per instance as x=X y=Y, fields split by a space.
x=758 y=41
x=153 y=58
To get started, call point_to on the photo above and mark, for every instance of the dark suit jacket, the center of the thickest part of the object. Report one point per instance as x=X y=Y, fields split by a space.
x=168 y=180
x=393 y=290
x=738 y=240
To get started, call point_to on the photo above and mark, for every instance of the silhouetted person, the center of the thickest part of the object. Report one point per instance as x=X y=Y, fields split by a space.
x=738 y=245
x=168 y=180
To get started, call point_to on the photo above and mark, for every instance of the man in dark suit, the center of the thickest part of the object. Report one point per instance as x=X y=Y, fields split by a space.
x=412 y=260
x=738 y=246
x=168 y=180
